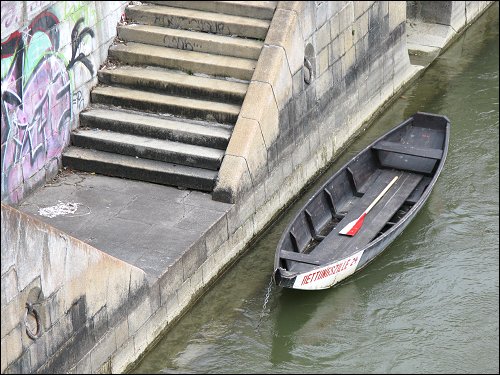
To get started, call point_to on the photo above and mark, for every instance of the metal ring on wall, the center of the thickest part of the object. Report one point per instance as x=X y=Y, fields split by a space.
x=32 y=311
x=308 y=75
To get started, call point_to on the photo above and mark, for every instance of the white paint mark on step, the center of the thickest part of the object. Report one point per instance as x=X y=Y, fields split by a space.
x=59 y=209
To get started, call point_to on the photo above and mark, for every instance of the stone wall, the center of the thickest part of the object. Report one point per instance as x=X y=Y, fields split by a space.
x=84 y=302
x=348 y=55
x=51 y=51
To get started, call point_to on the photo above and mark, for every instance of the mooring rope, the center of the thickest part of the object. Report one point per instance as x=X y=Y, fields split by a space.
x=266 y=300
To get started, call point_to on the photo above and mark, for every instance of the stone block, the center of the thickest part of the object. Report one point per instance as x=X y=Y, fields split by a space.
x=348 y=38
x=360 y=27
x=360 y=8
x=324 y=83
x=240 y=213
x=247 y=142
x=307 y=19
x=376 y=76
x=54 y=260
x=272 y=68
x=9 y=286
x=458 y=18
x=118 y=287
x=301 y=153
x=397 y=13
x=84 y=366
x=285 y=32
x=337 y=49
x=291 y=187
x=335 y=26
x=193 y=258
x=13 y=344
x=121 y=331
x=102 y=351
x=346 y=16
x=123 y=356
x=347 y=63
x=210 y=268
x=323 y=36
x=321 y=13
x=298 y=83
x=234 y=180
x=99 y=323
x=260 y=105
x=21 y=365
x=240 y=238
x=273 y=183
x=185 y=294
x=173 y=307
x=266 y=212
x=323 y=63
x=171 y=281
x=333 y=8
x=141 y=342
x=29 y=251
x=217 y=235
x=96 y=280
x=197 y=281
x=138 y=316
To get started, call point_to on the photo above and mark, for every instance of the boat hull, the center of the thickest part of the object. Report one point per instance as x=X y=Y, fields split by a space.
x=311 y=274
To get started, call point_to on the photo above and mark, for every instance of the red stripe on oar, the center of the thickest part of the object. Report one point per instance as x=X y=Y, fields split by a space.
x=356 y=226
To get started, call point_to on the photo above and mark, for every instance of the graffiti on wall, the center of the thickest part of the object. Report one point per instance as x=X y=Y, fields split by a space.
x=37 y=95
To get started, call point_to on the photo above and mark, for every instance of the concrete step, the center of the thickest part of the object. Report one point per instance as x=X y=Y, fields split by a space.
x=189 y=19
x=148 y=148
x=153 y=102
x=139 y=169
x=188 y=61
x=254 y=9
x=175 y=83
x=200 y=134
x=191 y=40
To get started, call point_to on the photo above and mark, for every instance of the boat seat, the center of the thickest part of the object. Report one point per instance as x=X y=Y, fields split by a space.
x=430 y=153
x=336 y=246
x=419 y=190
x=299 y=257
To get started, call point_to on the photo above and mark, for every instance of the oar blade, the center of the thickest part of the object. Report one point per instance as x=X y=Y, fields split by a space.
x=353 y=227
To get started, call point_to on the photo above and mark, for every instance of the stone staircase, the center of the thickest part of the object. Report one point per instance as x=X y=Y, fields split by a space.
x=168 y=100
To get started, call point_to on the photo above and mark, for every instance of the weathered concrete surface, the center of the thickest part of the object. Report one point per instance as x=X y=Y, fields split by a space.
x=170 y=243
x=84 y=299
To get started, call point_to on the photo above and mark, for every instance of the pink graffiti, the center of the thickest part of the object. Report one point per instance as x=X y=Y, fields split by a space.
x=37 y=106
x=37 y=129
x=36 y=109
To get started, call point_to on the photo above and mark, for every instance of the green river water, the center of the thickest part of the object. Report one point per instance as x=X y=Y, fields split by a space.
x=428 y=304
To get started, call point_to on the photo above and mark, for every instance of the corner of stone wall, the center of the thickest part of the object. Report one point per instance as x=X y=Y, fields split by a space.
x=85 y=303
x=246 y=162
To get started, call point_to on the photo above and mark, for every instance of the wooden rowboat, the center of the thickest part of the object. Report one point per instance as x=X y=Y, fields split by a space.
x=364 y=206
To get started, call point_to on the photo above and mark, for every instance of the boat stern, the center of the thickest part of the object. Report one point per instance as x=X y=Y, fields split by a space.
x=284 y=278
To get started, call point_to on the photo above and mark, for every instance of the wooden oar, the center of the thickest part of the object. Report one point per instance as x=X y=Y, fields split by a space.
x=352 y=228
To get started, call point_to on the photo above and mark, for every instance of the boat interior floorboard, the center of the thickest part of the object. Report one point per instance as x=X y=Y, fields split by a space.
x=336 y=246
